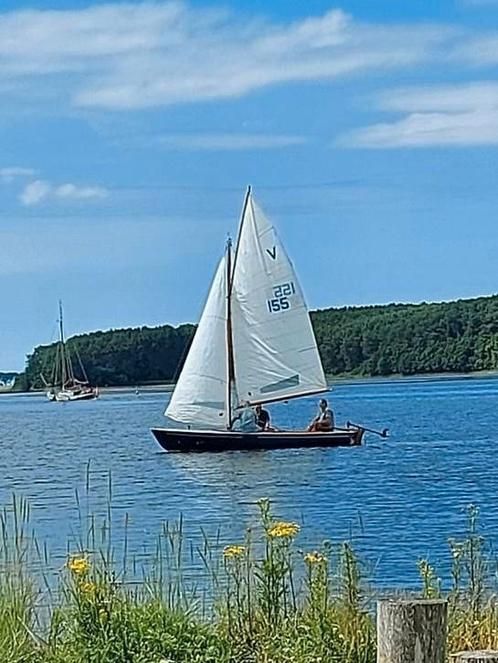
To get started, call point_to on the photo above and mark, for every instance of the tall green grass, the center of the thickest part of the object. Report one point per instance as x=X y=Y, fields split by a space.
x=262 y=599
x=473 y=593
x=20 y=612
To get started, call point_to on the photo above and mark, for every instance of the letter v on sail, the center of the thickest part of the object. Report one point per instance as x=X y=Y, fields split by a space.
x=254 y=344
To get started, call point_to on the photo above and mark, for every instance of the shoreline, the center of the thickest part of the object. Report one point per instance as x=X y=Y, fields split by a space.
x=168 y=387
x=416 y=377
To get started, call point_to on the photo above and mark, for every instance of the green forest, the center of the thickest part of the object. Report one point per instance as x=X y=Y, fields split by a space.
x=404 y=339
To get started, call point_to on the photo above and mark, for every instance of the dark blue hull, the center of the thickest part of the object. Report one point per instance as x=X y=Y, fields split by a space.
x=203 y=440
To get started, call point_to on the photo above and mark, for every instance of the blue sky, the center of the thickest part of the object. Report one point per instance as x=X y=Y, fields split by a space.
x=129 y=131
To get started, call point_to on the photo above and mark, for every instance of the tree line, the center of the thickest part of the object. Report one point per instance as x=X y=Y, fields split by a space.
x=405 y=339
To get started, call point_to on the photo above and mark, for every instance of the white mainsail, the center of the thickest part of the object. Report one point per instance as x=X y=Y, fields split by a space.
x=274 y=347
x=200 y=394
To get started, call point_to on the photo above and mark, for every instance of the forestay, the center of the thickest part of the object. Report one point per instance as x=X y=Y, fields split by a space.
x=200 y=394
x=275 y=351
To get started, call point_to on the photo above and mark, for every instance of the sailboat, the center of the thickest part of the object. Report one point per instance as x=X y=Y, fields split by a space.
x=254 y=344
x=64 y=386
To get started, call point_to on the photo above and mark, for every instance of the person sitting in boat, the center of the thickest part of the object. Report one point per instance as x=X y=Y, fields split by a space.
x=245 y=421
x=325 y=419
x=262 y=418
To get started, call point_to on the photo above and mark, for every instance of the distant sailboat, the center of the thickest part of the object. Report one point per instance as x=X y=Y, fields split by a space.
x=64 y=386
x=254 y=344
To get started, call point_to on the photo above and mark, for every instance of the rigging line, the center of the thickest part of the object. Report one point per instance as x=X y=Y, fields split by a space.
x=247 y=200
x=230 y=273
x=258 y=236
x=78 y=357
x=54 y=332
x=186 y=348
x=69 y=361
x=55 y=368
x=47 y=357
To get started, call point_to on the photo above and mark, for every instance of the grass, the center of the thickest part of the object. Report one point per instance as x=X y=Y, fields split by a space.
x=265 y=600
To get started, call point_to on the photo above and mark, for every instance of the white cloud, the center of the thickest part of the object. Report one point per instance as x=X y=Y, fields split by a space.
x=71 y=191
x=10 y=173
x=228 y=142
x=128 y=56
x=448 y=115
x=39 y=191
x=35 y=192
x=480 y=51
x=452 y=98
x=430 y=129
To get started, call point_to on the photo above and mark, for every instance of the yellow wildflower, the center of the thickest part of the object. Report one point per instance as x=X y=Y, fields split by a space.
x=283 y=530
x=88 y=587
x=314 y=558
x=78 y=565
x=233 y=552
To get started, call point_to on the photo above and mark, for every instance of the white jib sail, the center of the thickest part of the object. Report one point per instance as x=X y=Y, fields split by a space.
x=200 y=394
x=275 y=351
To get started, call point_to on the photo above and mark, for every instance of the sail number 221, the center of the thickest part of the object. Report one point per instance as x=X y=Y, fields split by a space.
x=280 y=300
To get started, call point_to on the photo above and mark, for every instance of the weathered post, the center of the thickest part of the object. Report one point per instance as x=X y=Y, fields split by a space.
x=476 y=657
x=411 y=630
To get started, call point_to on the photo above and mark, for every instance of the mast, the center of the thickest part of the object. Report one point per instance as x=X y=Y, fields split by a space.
x=229 y=281
x=230 y=363
x=63 y=354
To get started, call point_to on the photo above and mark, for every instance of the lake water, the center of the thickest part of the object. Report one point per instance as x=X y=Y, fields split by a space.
x=400 y=498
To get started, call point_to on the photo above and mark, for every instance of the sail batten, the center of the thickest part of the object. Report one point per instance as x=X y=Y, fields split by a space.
x=279 y=399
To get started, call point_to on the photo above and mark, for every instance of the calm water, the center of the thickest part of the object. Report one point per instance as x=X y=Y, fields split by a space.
x=400 y=498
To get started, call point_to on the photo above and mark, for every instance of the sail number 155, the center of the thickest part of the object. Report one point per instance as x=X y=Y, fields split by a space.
x=280 y=300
